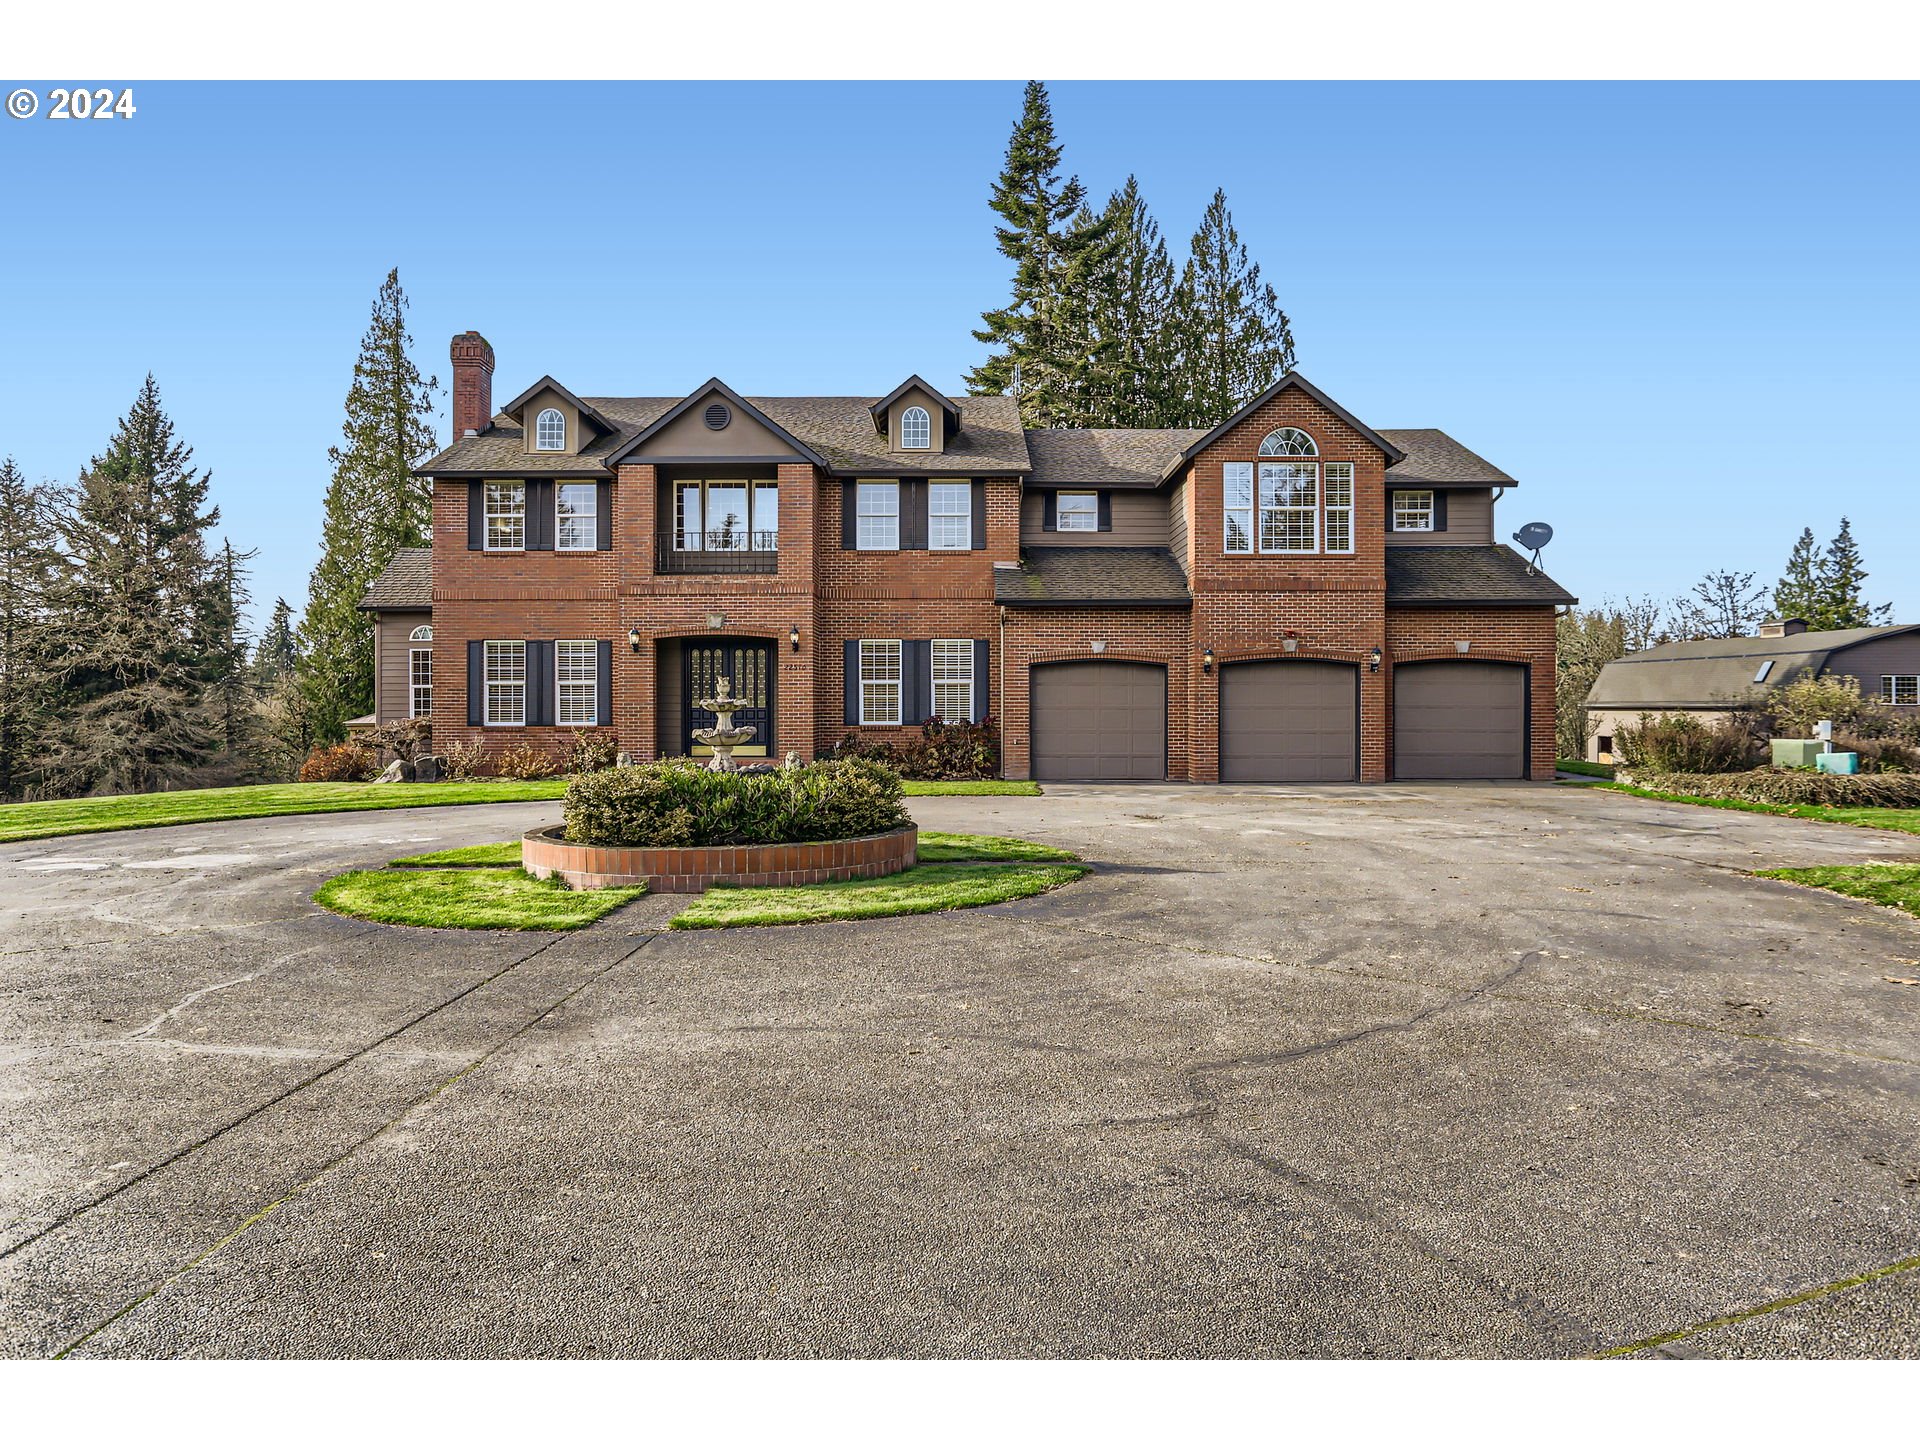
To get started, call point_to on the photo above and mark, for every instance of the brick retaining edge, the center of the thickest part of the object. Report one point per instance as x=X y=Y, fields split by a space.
x=692 y=868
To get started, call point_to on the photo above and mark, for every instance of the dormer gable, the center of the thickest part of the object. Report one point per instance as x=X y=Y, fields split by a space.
x=1292 y=380
x=555 y=421
x=716 y=423
x=916 y=418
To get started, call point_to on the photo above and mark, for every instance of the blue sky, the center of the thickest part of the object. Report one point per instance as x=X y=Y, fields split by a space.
x=1682 y=316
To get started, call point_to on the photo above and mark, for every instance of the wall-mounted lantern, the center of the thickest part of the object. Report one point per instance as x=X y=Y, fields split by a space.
x=633 y=639
x=1373 y=660
x=1206 y=661
x=793 y=637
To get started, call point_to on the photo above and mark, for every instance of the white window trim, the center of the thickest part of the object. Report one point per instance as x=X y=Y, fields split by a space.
x=1328 y=509
x=1890 y=688
x=488 y=683
x=414 y=687
x=591 y=684
x=925 y=421
x=964 y=515
x=1092 y=515
x=933 y=700
x=1260 y=510
x=897 y=684
x=859 y=528
x=422 y=632
x=540 y=430
x=487 y=517
x=1312 y=452
x=1396 y=516
x=1250 y=510
x=559 y=526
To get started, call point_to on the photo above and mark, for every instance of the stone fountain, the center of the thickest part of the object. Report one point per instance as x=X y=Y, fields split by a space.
x=723 y=737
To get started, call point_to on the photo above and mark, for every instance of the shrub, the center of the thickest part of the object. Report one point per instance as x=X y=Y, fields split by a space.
x=525 y=761
x=1883 y=756
x=1808 y=698
x=464 y=760
x=1687 y=744
x=334 y=763
x=679 y=802
x=944 y=750
x=591 y=750
x=1797 y=787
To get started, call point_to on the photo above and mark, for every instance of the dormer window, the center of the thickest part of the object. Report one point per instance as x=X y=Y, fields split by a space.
x=550 y=431
x=916 y=429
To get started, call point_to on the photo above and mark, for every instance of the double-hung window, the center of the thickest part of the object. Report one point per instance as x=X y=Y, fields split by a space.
x=506 y=680
x=1412 y=509
x=576 y=517
x=1289 y=501
x=879 y=682
x=1237 y=482
x=949 y=516
x=1076 y=510
x=1336 y=490
x=953 y=680
x=506 y=515
x=1900 y=689
x=419 y=683
x=576 y=670
x=877 y=523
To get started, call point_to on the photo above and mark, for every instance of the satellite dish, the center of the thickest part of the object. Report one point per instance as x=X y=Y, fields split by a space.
x=1533 y=536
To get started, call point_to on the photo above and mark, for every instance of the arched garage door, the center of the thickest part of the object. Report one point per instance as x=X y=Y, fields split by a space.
x=1289 y=720
x=1459 y=720
x=1099 y=720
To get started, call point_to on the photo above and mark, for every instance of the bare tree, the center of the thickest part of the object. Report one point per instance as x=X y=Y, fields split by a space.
x=1724 y=605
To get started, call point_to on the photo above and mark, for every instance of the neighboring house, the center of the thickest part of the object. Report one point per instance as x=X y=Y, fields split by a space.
x=1714 y=678
x=1290 y=595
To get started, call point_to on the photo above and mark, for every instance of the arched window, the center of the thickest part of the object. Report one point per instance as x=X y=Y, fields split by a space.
x=550 y=431
x=1289 y=441
x=422 y=632
x=916 y=430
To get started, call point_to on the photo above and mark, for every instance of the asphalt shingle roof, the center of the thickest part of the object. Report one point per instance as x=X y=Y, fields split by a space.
x=1436 y=458
x=1092 y=575
x=1110 y=459
x=406 y=583
x=1717 y=674
x=1433 y=575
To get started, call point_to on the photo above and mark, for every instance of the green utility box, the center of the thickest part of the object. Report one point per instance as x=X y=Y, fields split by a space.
x=1840 y=762
x=1797 y=754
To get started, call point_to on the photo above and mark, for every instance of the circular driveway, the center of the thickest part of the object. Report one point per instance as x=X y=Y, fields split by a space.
x=1405 y=1070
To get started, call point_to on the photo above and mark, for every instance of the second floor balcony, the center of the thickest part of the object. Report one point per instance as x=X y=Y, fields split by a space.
x=724 y=551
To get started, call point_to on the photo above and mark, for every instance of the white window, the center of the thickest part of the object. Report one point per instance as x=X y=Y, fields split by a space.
x=1412 y=509
x=506 y=516
x=1237 y=484
x=506 y=682
x=714 y=515
x=916 y=430
x=576 y=671
x=1077 y=510
x=766 y=515
x=878 y=521
x=950 y=516
x=953 y=680
x=419 y=683
x=550 y=431
x=576 y=517
x=1288 y=441
x=1337 y=492
x=1766 y=669
x=1900 y=689
x=1288 y=505
x=879 y=682
x=422 y=632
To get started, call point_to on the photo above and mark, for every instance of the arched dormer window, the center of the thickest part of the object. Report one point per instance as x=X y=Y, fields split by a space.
x=916 y=430
x=1289 y=441
x=422 y=633
x=550 y=431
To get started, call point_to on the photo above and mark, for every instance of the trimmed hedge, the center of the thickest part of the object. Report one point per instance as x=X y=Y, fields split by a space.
x=1791 y=787
x=679 y=802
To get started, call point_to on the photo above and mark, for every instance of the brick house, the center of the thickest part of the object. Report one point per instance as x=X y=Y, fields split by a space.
x=1291 y=595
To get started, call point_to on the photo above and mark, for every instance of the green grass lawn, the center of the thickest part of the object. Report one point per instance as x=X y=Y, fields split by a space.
x=1585 y=767
x=1873 y=817
x=503 y=855
x=912 y=892
x=468 y=899
x=936 y=847
x=971 y=787
x=1895 y=885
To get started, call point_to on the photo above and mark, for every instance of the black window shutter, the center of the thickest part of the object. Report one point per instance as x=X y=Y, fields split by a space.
x=916 y=681
x=603 y=676
x=913 y=514
x=603 y=517
x=540 y=514
x=850 y=515
x=476 y=680
x=1440 y=510
x=476 y=515
x=979 y=504
x=853 y=682
x=982 y=673
x=1106 y=509
x=539 y=682
x=1049 y=510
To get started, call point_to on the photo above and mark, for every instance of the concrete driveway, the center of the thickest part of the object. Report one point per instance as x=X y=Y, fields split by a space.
x=1413 y=1070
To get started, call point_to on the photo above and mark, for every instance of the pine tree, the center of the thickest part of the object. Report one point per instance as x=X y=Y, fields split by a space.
x=1040 y=356
x=1843 y=578
x=278 y=652
x=229 y=683
x=374 y=506
x=1799 y=593
x=26 y=561
x=1129 y=295
x=1234 y=339
x=128 y=605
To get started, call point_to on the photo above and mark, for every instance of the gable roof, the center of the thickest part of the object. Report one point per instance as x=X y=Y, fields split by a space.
x=914 y=382
x=406 y=583
x=1718 y=674
x=714 y=386
x=1427 y=576
x=1436 y=460
x=1292 y=380
x=514 y=406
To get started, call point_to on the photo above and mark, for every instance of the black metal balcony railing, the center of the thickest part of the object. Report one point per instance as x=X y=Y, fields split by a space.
x=721 y=552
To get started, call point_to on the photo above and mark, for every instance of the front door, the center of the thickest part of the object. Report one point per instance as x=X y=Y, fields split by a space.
x=749 y=665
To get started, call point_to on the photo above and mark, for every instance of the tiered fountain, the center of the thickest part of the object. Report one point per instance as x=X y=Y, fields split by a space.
x=722 y=738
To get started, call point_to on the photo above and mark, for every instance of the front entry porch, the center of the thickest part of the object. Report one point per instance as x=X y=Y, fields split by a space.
x=686 y=670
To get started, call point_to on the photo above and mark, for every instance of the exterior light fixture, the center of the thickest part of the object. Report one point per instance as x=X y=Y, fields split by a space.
x=793 y=636
x=1373 y=660
x=633 y=639
x=1206 y=661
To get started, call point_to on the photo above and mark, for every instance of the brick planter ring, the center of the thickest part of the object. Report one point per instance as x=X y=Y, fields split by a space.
x=685 y=868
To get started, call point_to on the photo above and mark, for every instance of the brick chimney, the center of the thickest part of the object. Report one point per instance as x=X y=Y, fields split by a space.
x=1779 y=629
x=472 y=383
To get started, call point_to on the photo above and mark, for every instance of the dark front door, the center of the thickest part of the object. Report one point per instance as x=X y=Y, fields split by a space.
x=749 y=665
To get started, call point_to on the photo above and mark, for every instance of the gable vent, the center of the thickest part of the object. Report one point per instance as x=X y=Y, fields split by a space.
x=718 y=416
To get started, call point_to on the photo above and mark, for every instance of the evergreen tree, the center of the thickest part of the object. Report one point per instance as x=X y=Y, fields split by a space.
x=128 y=608
x=1799 y=592
x=26 y=561
x=374 y=506
x=1234 y=339
x=278 y=652
x=1587 y=640
x=1040 y=351
x=1130 y=293
x=1724 y=605
x=229 y=682
x=1843 y=578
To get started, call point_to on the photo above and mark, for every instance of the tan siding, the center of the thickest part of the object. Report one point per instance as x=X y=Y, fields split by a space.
x=1139 y=518
x=390 y=647
x=1177 y=535
x=1469 y=522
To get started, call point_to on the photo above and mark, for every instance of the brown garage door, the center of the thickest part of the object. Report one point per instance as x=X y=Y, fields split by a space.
x=1099 y=720
x=1460 y=720
x=1289 y=720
